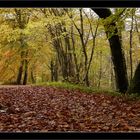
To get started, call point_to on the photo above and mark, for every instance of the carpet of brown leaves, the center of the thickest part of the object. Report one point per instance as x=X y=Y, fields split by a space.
x=43 y=109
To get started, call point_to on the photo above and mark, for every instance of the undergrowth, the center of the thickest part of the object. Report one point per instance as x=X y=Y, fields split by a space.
x=91 y=90
x=82 y=88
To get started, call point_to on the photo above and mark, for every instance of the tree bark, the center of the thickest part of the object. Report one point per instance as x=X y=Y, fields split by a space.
x=54 y=70
x=25 y=78
x=135 y=83
x=25 y=73
x=116 y=50
x=100 y=70
x=32 y=76
x=20 y=71
x=75 y=57
x=131 y=45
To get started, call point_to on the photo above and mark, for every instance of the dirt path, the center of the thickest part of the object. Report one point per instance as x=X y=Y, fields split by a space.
x=14 y=86
x=43 y=109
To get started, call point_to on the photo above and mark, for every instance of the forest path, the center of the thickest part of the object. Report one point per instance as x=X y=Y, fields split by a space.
x=43 y=109
x=14 y=86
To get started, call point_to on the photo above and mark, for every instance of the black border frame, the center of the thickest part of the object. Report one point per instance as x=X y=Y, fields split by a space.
x=70 y=136
x=69 y=3
x=72 y=4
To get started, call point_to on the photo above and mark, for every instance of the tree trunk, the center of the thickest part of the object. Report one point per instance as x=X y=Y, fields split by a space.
x=69 y=55
x=135 y=83
x=22 y=20
x=25 y=72
x=111 y=79
x=116 y=51
x=100 y=71
x=32 y=76
x=75 y=57
x=51 y=68
x=20 y=71
x=131 y=45
x=56 y=70
x=83 y=43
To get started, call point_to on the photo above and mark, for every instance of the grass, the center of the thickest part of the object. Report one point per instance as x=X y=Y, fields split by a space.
x=90 y=90
x=79 y=87
x=85 y=89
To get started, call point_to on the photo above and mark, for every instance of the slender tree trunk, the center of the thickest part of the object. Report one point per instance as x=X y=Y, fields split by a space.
x=62 y=53
x=32 y=76
x=86 y=77
x=68 y=54
x=52 y=69
x=83 y=44
x=100 y=71
x=25 y=72
x=75 y=57
x=20 y=71
x=111 y=76
x=137 y=30
x=25 y=78
x=116 y=51
x=131 y=45
x=93 y=47
x=135 y=83
x=56 y=70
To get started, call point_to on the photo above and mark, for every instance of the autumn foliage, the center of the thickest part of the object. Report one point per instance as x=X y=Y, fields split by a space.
x=43 y=109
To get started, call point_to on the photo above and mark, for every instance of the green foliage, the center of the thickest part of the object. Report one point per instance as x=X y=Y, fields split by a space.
x=82 y=88
x=40 y=44
x=133 y=96
x=90 y=90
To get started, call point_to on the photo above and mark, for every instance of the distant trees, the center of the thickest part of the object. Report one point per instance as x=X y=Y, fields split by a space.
x=19 y=41
x=68 y=39
x=22 y=19
x=62 y=46
x=84 y=38
x=70 y=45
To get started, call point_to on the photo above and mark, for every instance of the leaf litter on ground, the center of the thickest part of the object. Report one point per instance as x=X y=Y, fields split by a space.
x=44 y=109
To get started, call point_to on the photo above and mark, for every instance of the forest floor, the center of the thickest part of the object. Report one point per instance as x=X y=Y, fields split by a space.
x=43 y=109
